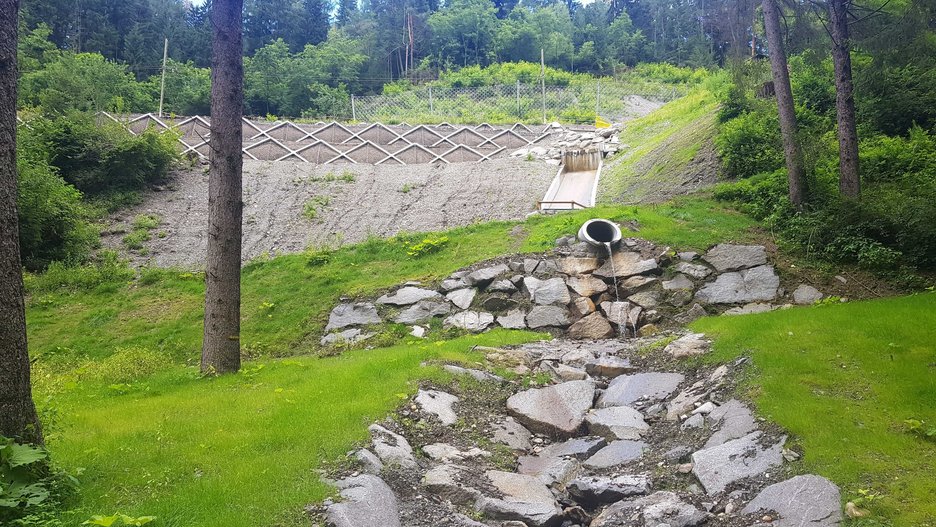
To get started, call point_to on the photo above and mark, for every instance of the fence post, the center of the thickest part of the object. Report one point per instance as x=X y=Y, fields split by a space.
x=353 y=109
x=598 y=98
x=431 y=110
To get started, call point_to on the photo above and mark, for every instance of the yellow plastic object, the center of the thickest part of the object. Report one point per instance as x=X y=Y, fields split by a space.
x=601 y=123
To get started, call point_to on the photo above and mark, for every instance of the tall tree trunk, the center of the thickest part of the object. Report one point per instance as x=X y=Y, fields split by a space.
x=221 y=347
x=17 y=412
x=781 y=80
x=849 y=182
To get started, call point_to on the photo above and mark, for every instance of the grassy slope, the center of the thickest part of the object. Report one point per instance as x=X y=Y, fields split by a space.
x=842 y=379
x=660 y=146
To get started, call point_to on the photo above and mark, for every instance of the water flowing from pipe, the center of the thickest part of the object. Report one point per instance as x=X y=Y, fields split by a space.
x=617 y=295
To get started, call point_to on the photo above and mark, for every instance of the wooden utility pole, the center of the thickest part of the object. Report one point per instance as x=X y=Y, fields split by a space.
x=849 y=182
x=781 y=80
x=162 y=84
x=221 y=346
x=18 y=417
x=543 y=80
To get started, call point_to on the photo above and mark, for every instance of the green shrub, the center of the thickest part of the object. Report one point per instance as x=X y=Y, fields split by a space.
x=108 y=268
x=750 y=144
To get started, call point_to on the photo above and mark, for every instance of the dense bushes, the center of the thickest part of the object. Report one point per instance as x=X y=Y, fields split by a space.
x=750 y=144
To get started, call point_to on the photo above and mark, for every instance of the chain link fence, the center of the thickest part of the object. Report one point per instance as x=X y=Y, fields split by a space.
x=522 y=102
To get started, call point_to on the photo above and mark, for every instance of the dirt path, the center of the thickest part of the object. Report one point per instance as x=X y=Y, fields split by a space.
x=291 y=206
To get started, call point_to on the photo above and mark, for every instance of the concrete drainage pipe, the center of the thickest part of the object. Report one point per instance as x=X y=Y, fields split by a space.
x=600 y=233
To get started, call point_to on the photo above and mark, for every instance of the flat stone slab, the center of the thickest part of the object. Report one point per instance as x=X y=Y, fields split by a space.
x=483 y=277
x=679 y=282
x=688 y=345
x=368 y=501
x=462 y=298
x=405 y=296
x=548 y=316
x=348 y=336
x=447 y=453
x=474 y=321
x=587 y=285
x=439 y=404
x=751 y=309
x=359 y=314
x=525 y=498
x=616 y=453
x=557 y=410
x=513 y=434
x=596 y=490
x=732 y=420
x=593 y=326
x=547 y=292
x=609 y=366
x=573 y=266
x=422 y=311
x=699 y=272
x=720 y=466
x=616 y=422
x=578 y=448
x=477 y=375
x=658 y=509
x=514 y=319
x=392 y=448
x=628 y=389
x=626 y=263
x=803 y=501
x=445 y=481
x=646 y=299
x=750 y=285
x=728 y=257
x=553 y=471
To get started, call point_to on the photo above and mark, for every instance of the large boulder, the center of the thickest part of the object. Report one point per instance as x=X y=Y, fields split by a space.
x=720 y=466
x=422 y=311
x=547 y=316
x=368 y=501
x=485 y=276
x=556 y=410
x=408 y=295
x=800 y=501
x=525 y=498
x=626 y=263
x=547 y=292
x=514 y=319
x=616 y=422
x=593 y=327
x=728 y=257
x=470 y=320
x=511 y=433
x=359 y=314
x=392 y=448
x=587 y=285
x=462 y=298
x=575 y=266
x=628 y=389
x=750 y=285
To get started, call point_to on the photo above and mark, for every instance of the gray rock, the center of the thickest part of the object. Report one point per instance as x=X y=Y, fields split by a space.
x=597 y=490
x=687 y=256
x=556 y=410
x=694 y=313
x=749 y=285
x=547 y=316
x=502 y=286
x=699 y=272
x=511 y=433
x=422 y=311
x=636 y=284
x=609 y=366
x=359 y=314
x=547 y=292
x=499 y=302
x=368 y=501
x=623 y=314
x=515 y=319
x=445 y=481
x=525 y=498
x=447 y=453
x=805 y=295
x=576 y=266
x=616 y=422
x=593 y=326
x=728 y=257
x=391 y=448
x=587 y=285
x=616 y=453
x=483 y=277
x=720 y=466
x=583 y=306
x=695 y=421
x=369 y=460
x=656 y=510
x=530 y=265
x=803 y=501
x=680 y=281
x=452 y=284
x=578 y=448
x=645 y=299
x=564 y=372
x=462 y=298
x=418 y=331
x=553 y=471
x=686 y=400
x=750 y=309
x=408 y=295
x=733 y=420
x=470 y=320
x=477 y=375
x=439 y=404
x=628 y=389
x=688 y=345
x=626 y=263
x=348 y=336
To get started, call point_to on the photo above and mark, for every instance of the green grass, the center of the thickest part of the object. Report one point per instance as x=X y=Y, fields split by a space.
x=237 y=451
x=162 y=309
x=659 y=146
x=842 y=379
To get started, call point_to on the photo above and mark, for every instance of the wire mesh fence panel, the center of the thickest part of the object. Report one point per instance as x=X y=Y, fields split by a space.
x=579 y=102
